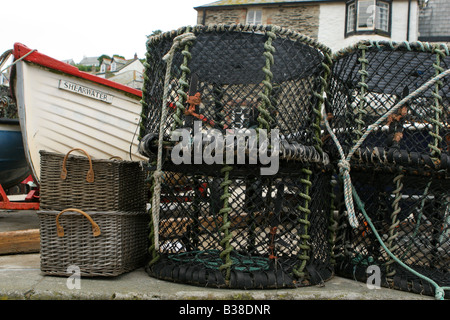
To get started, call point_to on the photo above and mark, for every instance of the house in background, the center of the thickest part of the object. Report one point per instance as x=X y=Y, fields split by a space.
x=89 y=62
x=335 y=23
x=434 y=21
x=127 y=72
x=69 y=61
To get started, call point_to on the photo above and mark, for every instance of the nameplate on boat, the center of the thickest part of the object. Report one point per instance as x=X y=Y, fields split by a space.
x=85 y=91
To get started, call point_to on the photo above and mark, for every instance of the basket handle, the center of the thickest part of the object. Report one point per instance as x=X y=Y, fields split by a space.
x=90 y=174
x=60 y=230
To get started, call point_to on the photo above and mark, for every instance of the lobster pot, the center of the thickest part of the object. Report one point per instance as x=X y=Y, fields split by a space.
x=77 y=181
x=231 y=227
x=370 y=78
x=102 y=244
x=410 y=210
x=233 y=77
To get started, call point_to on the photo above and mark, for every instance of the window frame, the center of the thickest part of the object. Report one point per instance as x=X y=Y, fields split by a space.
x=375 y=29
x=254 y=11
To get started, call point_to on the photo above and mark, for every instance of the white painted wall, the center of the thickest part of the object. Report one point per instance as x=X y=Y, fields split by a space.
x=332 y=25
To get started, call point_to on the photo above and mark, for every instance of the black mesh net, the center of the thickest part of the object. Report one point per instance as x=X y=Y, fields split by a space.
x=239 y=85
x=411 y=213
x=275 y=234
x=371 y=78
x=400 y=171
x=8 y=108
x=226 y=223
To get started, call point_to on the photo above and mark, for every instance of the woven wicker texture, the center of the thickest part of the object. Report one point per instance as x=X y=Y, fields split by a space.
x=120 y=247
x=118 y=185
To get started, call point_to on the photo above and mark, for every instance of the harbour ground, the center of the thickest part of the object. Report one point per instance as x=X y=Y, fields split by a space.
x=21 y=279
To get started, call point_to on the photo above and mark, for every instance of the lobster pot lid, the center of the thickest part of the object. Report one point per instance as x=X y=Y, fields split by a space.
x=235 y=54
x=391 y=66
x=234 y=66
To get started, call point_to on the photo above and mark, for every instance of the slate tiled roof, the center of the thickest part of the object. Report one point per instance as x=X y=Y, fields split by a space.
x=254 y=2
x=434 y=22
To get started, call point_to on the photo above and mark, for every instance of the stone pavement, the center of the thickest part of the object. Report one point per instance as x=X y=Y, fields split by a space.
x=21 y=278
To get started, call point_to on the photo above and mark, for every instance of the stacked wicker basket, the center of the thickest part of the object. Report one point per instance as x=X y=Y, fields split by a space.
x=92 y=215
x=399 y=161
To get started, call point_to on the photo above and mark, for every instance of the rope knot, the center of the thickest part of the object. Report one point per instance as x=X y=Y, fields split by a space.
x=344 y=165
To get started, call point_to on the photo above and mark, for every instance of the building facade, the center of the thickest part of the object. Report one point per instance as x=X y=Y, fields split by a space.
x=434 y=21
x=335 y=23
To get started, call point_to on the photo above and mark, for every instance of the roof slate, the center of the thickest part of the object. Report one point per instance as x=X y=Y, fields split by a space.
x=254 y=2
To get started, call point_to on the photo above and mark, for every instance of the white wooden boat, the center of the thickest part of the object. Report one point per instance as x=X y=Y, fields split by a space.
x=61 y=108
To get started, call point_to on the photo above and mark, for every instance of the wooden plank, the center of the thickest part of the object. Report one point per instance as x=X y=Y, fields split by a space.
x=22 y=241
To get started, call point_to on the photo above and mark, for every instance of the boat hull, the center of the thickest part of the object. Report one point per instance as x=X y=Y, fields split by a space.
x=59 y=111
x=13 y=163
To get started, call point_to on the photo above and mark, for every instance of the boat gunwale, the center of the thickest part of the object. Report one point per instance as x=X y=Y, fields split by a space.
x=20 y=50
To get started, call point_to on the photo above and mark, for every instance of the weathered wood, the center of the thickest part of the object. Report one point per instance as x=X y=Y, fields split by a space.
x=22 y=241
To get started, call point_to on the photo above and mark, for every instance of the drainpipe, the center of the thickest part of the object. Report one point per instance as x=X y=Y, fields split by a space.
x=409 y=20
x=204 y=16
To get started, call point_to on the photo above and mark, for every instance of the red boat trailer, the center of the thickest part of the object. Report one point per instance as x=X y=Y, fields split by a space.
x=31 y=201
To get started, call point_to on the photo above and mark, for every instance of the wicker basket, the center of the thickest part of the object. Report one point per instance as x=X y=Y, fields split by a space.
x=99 y=243
x=90 y=184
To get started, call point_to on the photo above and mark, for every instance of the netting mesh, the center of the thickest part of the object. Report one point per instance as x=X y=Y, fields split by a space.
x=400 y=171
x=8 y=108
x=226 y=224
x=411 y=213
x=247 y=77
x=275 y=234
x=370 y=78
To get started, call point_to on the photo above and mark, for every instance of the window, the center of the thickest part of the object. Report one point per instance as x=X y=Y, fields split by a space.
x=368 y=17
x=351 y=14
x=113 y=66
x=254 y=17
x=382 y=16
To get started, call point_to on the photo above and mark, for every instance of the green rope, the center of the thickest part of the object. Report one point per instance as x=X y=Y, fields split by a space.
x=226 y=223
x=344 y=165
x=332 y=223
x=184 y=85
x=326 y=65
x=393 y=233
x=416 y=229
x=439 y=291
x=210 y=259
x=437 y=107
x=264 y=118
x=362 y=95
x=304 y=236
